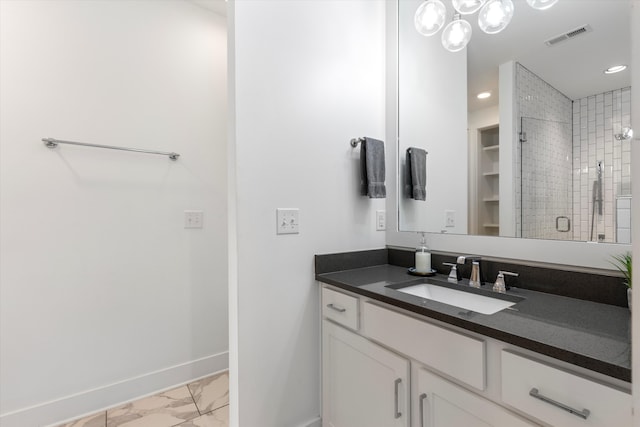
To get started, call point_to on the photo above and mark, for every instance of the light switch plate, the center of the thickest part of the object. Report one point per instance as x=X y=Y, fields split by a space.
x=288 y=221
x=193 y=219
x=381 y=220
x=449 y=218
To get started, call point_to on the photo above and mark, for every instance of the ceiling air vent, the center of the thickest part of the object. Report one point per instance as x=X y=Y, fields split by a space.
x=568 y=35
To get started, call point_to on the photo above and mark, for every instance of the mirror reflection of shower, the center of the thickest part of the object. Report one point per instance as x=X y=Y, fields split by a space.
x=545 y=157
x=573 y=163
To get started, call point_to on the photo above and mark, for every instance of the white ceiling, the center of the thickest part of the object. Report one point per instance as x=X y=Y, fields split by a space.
x=574 y=67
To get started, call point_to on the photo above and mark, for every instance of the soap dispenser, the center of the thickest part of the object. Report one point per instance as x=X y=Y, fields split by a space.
x=423 y=257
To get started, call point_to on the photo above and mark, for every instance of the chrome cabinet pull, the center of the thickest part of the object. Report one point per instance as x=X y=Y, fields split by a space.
x=336 y=308
x=423 y=397
x=582 y=414
x=397 y=414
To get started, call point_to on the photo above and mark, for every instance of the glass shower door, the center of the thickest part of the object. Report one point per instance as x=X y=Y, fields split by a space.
x=546 y=189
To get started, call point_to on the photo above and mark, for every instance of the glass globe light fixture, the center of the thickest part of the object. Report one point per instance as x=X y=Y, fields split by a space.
x=495 y=15
x=457 y=34
x=467 y=7
x=541 y=4
x=430 y=17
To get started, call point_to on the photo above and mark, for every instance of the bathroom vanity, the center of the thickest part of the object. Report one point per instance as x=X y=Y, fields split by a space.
x=392 y=358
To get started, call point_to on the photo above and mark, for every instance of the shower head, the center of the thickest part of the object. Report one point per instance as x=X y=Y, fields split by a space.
x=627 y=133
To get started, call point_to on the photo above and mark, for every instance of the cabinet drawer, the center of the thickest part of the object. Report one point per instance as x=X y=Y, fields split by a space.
x=451 y=353
x=561 y=398
x=340 y=308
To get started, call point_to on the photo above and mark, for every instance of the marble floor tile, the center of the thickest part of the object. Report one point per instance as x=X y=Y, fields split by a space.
x=217 y=418
x=165 y=409
x=211 y=393
x=95 y=420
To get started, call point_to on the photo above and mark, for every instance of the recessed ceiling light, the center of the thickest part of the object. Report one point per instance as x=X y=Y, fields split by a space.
x=615 y=69
x=484 y=95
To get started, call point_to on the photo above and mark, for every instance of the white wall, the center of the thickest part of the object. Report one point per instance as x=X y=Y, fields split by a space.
x=508 y=134
x=104 y=295
x=308 y=76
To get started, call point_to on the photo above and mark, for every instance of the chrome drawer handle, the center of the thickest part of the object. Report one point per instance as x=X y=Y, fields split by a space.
x=582 y=414
x=396 y=408
x=336 y=308
x=423 y=397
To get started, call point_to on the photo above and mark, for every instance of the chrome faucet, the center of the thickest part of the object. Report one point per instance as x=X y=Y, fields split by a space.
x=475 y=280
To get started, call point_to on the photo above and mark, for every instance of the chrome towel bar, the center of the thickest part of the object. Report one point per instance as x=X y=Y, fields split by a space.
x=53 y=143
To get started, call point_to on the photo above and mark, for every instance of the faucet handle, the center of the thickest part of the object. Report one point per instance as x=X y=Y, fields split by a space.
x=454 y=276
x=499 y=285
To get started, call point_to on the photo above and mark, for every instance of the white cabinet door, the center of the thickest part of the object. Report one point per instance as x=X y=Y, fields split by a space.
x=364 y=385
x=444 y=404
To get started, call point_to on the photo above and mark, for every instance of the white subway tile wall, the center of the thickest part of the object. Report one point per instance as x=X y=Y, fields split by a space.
x=596 y=119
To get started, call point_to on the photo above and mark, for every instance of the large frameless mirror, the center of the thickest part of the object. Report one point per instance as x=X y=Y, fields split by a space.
x=545 y=155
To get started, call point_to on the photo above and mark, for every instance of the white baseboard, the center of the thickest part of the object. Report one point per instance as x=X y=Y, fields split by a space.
x=98 y=399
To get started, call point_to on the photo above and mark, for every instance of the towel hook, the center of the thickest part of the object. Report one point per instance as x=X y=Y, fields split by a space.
x=356 y=141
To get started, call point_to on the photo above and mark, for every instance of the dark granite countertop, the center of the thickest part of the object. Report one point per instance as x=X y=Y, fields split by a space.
x=592 y=335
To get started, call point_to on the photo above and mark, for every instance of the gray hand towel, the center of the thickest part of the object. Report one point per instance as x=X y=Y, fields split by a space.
x=416 y=173
x=372 y=168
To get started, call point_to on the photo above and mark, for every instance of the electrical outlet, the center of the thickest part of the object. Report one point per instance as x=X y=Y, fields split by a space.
x=381 y=220
x=193 y=219
x=449 y=218
x=287 y=221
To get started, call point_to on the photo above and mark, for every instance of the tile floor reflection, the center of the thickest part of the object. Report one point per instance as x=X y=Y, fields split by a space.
x=203 y=403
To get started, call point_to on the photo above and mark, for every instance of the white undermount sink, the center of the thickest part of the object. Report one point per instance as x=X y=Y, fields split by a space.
x=466 y=300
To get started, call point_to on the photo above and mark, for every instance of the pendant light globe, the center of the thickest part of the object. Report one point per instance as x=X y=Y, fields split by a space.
x=456 y=34
x=495 y=15
x=467 y=7
x=430 y=17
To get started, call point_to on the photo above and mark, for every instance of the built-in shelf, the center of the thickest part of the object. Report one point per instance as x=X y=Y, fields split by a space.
x=488 y=199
